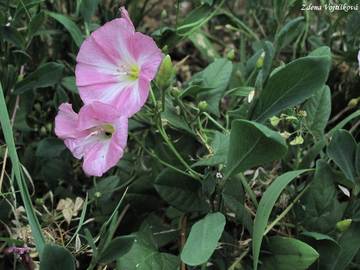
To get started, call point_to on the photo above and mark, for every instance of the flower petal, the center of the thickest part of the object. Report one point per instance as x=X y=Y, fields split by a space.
x=126 y=17
x=103 y=92
x=79 y=146
x=66 y=122
x=119 y=138
x=90 y=75
x=101 y=158
x=132 y=97
x=97 y=114
x=146 y=54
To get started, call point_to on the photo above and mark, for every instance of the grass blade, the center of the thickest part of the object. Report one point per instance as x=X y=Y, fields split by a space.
x=266 y=204
x=9 y=139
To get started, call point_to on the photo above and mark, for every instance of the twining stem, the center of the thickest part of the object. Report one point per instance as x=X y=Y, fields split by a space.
x=159 y=159
x=176 y=153
x=166 y=138
x=283 y=214
x=248 y=189
x=215 y=122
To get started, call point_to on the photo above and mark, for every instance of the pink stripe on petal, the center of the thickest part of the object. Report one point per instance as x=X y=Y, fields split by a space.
x=87 y=75
x=133 y=97
x=90 y=53
x=97 y=114
x=144 y=49
x=104 y=92
x=112 y=38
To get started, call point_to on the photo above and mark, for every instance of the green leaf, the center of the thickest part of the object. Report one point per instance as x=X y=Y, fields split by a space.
x=288 y=253
x=311 y=154
x=144 y=255
x=194 y=20
x=69 y=84
x=344 y=122
x=203 y=239
x=118 y=247
x=249 y=146
x=341 y=150
x=180 y=191
x=326 y=246
x=319 y=208
x=50 y=148
x=88 y=9
x=349 y=243
x=56 y=258
x=292 y=84
x=219 y=145
x=242 y=91
x=289 y=32
x=216 y=77
x=318 y=109
x=203 y=44
x=46 y=75
x=357 y=160
x=13 y=36
x=266 y=204
x=36 y=22
x=104 y=189
x=70 y=26
x=174 y=119
x=353 y=20
x=233 y=196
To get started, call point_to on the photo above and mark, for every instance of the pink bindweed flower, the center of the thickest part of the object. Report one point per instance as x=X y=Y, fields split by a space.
x=116 y=64
x=98 y=134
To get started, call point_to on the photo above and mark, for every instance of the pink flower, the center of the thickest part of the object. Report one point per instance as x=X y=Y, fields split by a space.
x=116 y=64
x=98 y=134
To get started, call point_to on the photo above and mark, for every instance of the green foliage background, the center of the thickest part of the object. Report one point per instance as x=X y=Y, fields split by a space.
x=246 y=157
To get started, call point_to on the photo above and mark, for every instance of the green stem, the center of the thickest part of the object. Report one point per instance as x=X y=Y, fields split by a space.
x=248 y=189
x=176 y=153
x=216 y=123
x=160 y=160
x=283 y=214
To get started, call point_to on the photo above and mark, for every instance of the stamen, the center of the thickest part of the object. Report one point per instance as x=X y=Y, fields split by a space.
x=131 y=71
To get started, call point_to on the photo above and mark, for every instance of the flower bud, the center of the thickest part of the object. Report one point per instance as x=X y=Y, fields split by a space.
x=164 y=14
x=353 y=102
x=165 y=74
x=260 y=61
x=202 y=105
x=343 y=225
x=175 y=91
x=231 y=54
